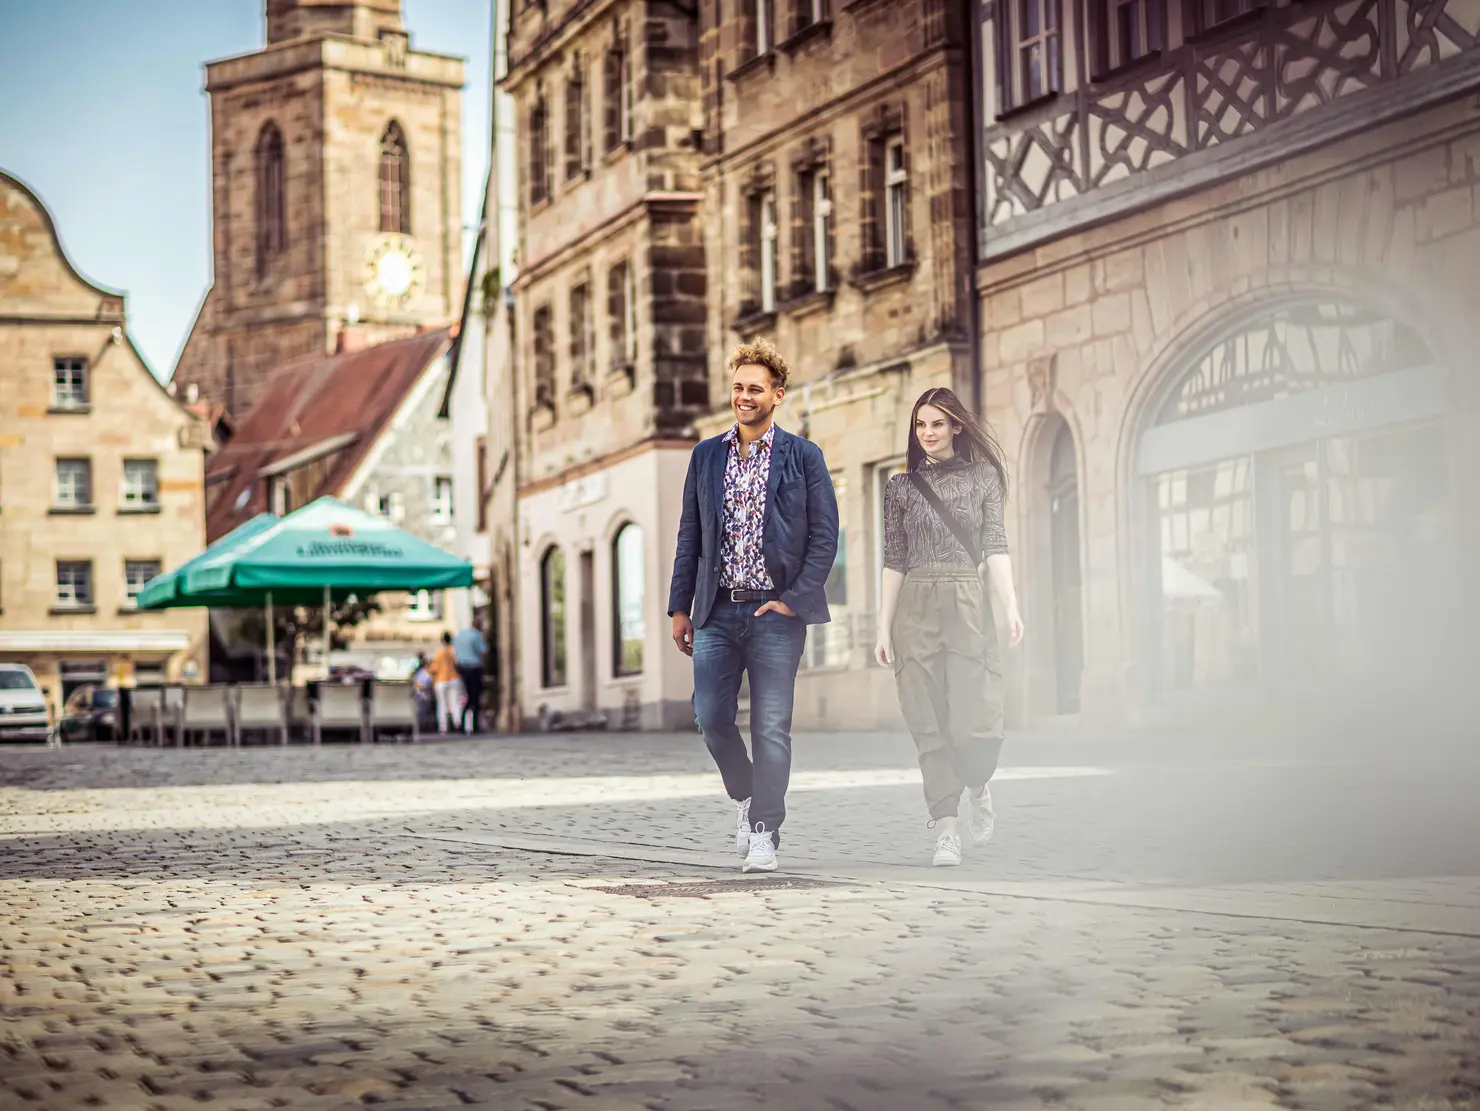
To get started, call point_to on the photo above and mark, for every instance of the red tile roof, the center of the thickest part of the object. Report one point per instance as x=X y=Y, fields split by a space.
x=307 y=402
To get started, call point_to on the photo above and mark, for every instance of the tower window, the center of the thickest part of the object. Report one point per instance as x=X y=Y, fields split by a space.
x=395 y=181
x=272 y=207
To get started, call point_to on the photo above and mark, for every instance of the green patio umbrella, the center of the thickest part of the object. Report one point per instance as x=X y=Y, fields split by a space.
x=327 y=547
x=167 y=591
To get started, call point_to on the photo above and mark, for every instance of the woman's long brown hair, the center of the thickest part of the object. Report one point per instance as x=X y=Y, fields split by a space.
x=974 y=442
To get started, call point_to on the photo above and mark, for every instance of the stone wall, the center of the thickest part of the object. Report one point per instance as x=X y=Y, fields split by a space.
x=50 y=311
x=1090 y=326
x=332 y=100
x=862 y=351
x=415 y=450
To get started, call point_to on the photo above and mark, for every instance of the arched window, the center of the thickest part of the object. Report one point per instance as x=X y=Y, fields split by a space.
x=395 y=181
x=1298 y=477
x=552 y=618
x=629 y=602
x=272 y=207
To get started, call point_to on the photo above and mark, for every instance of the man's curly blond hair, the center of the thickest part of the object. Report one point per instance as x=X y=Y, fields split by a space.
x=760 y=353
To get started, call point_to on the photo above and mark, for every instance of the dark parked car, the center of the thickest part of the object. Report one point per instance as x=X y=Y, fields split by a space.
x=91 y=714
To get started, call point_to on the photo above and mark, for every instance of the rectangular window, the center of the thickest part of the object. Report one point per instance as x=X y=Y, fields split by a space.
x=544 y=356
x=74 y=484
x=137 y=572
x=69 y=384
x=442 y=498
x=1032 y=55
x=821 y=229
x=279 y=495
x=577 y=121
x=617 y=93
x=582 y=337
x=424 y=605
x=621 y=306
x=74 y=584
x=811 y=232
x=808 y=13
x=896 y=200
x=140 y=483
x=767 y=232
x=541 y=162
x=552 y=619
x=624 y=112
x=1212 y=13
x=762 y=27
x=482 y=465
x=1125 y=31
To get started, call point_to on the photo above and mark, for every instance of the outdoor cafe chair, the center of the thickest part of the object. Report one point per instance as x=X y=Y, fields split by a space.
x=393 y=710
x=204 y=712
x=340 y=708
x=300 y=713
x=171 y=712
x=146 y=715
x=260 y=708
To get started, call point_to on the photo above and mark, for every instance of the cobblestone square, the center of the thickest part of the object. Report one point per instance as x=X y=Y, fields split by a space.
x=555 y=922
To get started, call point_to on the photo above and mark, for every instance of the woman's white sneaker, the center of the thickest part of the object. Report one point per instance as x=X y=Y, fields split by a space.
x=983 y=821
x=947 y=850
x=762 y=854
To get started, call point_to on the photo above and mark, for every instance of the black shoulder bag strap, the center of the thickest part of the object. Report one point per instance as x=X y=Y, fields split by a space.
x=949 y=519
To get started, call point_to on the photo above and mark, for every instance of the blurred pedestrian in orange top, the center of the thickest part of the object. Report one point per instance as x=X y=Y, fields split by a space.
x=446 y=683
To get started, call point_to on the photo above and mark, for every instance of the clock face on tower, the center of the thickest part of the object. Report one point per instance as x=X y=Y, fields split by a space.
x=394 y=276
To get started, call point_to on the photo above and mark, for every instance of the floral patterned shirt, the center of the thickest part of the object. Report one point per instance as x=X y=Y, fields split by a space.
x=742 y=564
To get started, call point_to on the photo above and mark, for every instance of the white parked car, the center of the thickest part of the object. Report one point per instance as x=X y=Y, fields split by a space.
x=23 y=713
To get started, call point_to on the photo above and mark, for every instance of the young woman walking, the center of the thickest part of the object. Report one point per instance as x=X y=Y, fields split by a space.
x=942 y=520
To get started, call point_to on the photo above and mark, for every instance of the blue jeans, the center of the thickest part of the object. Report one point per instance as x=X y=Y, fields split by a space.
x=768 y=649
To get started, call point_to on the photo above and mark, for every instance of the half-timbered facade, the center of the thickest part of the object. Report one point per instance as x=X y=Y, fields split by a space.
x=608 y=336
x=1229 y=254
x=838 y=225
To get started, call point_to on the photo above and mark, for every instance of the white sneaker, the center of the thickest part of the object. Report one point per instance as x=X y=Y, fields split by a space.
x=983 y=818
x=742 y=827
x=947 y=850
x=762 y=854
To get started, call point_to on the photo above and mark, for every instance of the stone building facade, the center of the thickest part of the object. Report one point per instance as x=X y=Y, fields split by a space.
x=370 y=428
x=101 y=475
x=336 y=195
x=607 y=339
x=1229 y=261
x=838 y=225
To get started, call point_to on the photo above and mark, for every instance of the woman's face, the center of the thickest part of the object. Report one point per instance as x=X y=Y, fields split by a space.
x=936 y=431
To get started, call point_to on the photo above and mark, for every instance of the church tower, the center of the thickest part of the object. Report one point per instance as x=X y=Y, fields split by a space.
x=336 y=195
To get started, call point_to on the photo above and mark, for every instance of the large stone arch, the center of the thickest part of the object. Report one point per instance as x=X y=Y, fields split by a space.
x=1033 y=674
x=1191 y=335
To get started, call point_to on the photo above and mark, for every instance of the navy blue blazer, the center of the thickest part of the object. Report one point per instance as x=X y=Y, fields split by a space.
x=799 y=543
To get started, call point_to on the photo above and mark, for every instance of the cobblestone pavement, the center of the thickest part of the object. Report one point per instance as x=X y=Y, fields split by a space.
x=553 y=923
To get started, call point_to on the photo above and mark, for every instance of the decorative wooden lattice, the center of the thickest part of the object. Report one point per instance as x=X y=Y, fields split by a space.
x=1294 y=59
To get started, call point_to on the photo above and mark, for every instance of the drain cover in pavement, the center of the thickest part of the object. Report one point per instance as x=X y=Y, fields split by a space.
x=702 y=889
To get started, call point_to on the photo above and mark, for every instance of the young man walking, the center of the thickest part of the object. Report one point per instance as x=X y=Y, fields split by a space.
x=756 y=542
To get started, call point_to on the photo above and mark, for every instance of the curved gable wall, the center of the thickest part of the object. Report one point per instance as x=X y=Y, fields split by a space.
x=36 y=278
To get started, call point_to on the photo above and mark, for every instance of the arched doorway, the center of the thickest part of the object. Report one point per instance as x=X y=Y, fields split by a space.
x=1300 y=502
x=1068 y=604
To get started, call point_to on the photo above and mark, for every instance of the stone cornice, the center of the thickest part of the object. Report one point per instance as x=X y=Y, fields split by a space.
x=348 y=55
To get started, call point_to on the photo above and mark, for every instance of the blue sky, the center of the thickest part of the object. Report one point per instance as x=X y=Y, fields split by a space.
x=102 y=114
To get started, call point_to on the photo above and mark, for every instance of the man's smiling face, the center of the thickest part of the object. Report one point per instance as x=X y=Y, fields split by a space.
x=754 y=395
